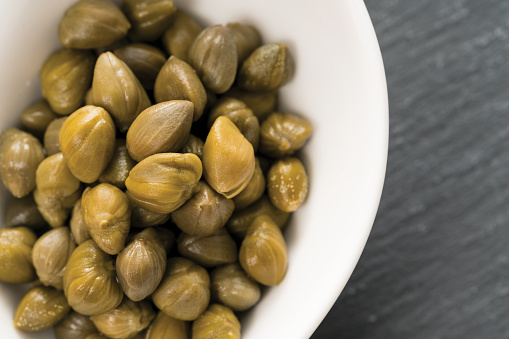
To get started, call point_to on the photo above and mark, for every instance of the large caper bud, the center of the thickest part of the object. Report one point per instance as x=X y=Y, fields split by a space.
x=50 y=255
x=253 y=190
x=65 y=78
x=263 y=253
x=261 y=103
x=178 y=81
x=78 y=229
x=40 y=308
x=36 y=117
x=75 y=326
x=193 y=145
x=203 y=214
x=179 y=37
x=161 y=128
x=213 y=55
x=90 y=282
x=247 y=39
x=283 y=134
x=87 y=140
x=90 y=24
x=126 y=320
x=24 y=212
x=228 y=158
x=267 y=68
x=217 y=321
x=231 y=286
x=287 y=184
x=163 y=182
x=165 y=326
x=141 y=218
x=149 y=18
x=144 y=60
x=119 y=167
x=16 y=255
x=210 y=250
x=184 y=292
x=51 y=143
x=116 y=89
x=141 y=264
x=107 y=215
x=20 y=154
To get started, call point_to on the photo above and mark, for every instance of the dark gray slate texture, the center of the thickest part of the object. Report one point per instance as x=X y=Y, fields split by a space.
x=437 y=262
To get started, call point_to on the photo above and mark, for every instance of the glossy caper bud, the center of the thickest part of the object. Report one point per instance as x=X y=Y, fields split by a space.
x=20 y=154
x=253 y=190
x=50 y=255
x=178 y=81
x=90 y=282
x=87 y=140
x=242 y=219
x=247 y=39
x=144 y=60
x=75 y=326
x=263 y=254
x=24 y=212
x=161 y=128
x=261 y=103
x=268 y=68
x=163 y=182
x=119 y=167
x=149 y=18
x=141 y=218
x=287 y=184
x=203 y=214
x=181 y=34
x=165 y=326
x=184 y=292
x=51 y=143
x=16 y=255
x=193 y=145
x=232 y=287
x=213 y=54
x=107 y=215
x=78 y=229
x=141 y=264
x=65 y=78
x=240 y=115
x=90 y=24
x=118 y=90
x=40 y=308
x=36 y=117
x=228 y=158
x=210 y=250
x=283 y=134
x=126 y=320
x=217 y=321
x=55 y=210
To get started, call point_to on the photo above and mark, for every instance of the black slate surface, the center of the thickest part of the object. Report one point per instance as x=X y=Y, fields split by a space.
x=437 y=262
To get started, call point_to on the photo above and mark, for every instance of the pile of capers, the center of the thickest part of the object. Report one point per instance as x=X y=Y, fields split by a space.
x=152 y=182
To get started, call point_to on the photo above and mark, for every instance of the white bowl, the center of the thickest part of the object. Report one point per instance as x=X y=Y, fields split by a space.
x=339 y=85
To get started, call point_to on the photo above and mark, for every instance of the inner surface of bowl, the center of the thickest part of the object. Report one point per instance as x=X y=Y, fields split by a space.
x=339 y=85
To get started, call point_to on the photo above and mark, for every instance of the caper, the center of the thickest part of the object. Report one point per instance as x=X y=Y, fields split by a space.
x=287 y=184
x=149 y=18
x=181 y=34
x=247 y=39
x=217 y=321
x=253 y=190
x=24 y=212
x=141 y=218
x=165 y=326
x=75 y=326
x=231 y=286
x=36 y=117
x=119 y=167
x=261 y=103
x=16 y=255
x=55 y=210
x=51 y=143
x=193 y=145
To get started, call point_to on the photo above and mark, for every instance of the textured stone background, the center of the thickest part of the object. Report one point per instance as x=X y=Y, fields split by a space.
x=437 y=261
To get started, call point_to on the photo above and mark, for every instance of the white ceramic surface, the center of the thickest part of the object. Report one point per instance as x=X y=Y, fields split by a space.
x=339 y=85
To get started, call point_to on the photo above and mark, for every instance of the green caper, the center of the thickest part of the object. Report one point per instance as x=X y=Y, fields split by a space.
x=231 y=286
x=193 y=145
x=126 y=320
x=40 y=308
x=65 y=78
x=118 y=91
x=163 y=182
x=165 y=326
x=253 y=190
x=178 y=81
x=50 y=255
x=16 y=255
x=181 y=34
x=261 y=103
x=90 y=282
x=263 y=254
x=87 y=140
x=36 y=117
x=20 y=154
x=141 y=264
x=24 y=212
x=247 y=39
x=90 y=24
x=141 y=218
x=213 y=54
x=203 y=214
x=78 y=228
x=119 y=167
x=149 y=18
x=55 y=210
x=267 y=68
x=184 y=292
x=228 y=158
x=287 y=184
x=75 y=326
x=163 y=127
x=283 y=134
x=51 y=143
x=217 y=321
